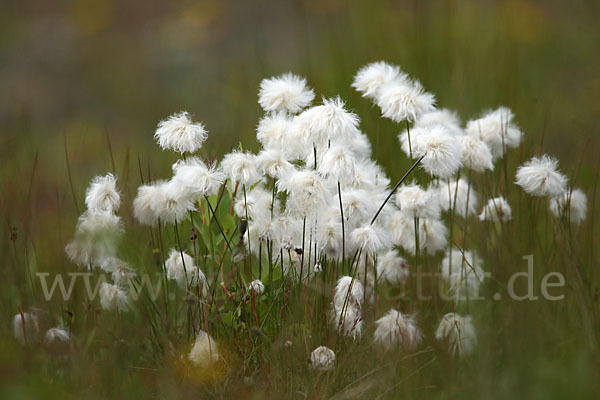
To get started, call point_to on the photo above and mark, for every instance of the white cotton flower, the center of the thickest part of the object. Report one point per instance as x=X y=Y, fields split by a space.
x=497 y=130
x=306 y=192
x=371 y=78
x=442 y=154
x=287 y=92
x=170 y=202
x=102 y=194
x=400 y=225
x=540 y=177
x=181 y=267
x=113 y=298
x=329 y=236
x=496 y=209
x=180 y=134
x=459 y=196
x=205 y=351
x=476 y=155
x=111 y=264
x=142 y=204
x=570 y=204
x=415 y=201
x=357 y=205
x=256 y=205
x=392 y=268
x=256 y=286
x=360 y=145
x=416 y=131
x=26 y=328
x=458 y=332
x=397 y=331
x=272 y=131
x=329 y=121
x=337 y=162
x=273 y=162
x=368 y=175
x=432 y=233
x=370 y=238
x=240 y=167
x=444 y=117
x=53 y=335
x=199 y=178
x=348 y=292
x=404 y=100
x=463 y=273
x=347 y=319
x=322 y=359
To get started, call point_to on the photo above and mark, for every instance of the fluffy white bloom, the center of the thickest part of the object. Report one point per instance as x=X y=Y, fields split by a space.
x=476 y=155
x=287 y=92
x=416 y=202
x=205 y=351
x=337 y=162
x=56 y=334
x=170 y=202
x=392 y=268
x=496 y=209
x=322 y=359
x=371 y=78
x=432 y=233
x=442 y=154
x=497 y=130
x=113 y=298
x=396 y=330
x=358 y=206
x=404 y=100
x=96 y=238
x=348 y=292
x=180 y=267
x=370 y=238
x=240 y=167
x=257 y=204
x=111 y=264
x=463 y=273
x=360 y=146
x=348 y=320
x=273 y=162
x=459 y=196
x=444 y=117
x=256 y=286
x=414 y=132
x=26 y=328
x=369 y=175
x=102 y=194
x=458 y=332
x=306 y=191
x=142 y=204
x=199 y=178
x=329 y=235
x=573 y=205
x=329 y=121
x=272 y=131
x=180 y=134
x=540 y=177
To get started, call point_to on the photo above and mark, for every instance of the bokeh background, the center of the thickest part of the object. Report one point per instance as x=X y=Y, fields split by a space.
x=83 y=84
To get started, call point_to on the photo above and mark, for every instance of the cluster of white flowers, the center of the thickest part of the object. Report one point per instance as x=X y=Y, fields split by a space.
x=346 y=313
x=181 y=268
x=96 y=240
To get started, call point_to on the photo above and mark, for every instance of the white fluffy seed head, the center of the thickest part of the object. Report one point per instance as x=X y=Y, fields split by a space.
x=371 y=78
x=476 y=155
x=198 y=178
x=444 y=117
x=404 y=101
x=240 y=167
x=327 y=122
x=497 y=130
x=273 y=162
x=337 y=162
x=415 y=201
x=370 y=238
x=348 y=292
x=204 y=352
x=441 y=153
x=322 y=359
x=26 y=328
x=463 y=273
x=180 y=134
x=392 y=268
x=57 y=334
x=102 y=194
x=458 y=196
x=256 y=286
x=540 y=177
x=113 y=298
x=396 y=330
x=307 y=192
x=496 y=209
x=287 y=93
x=142 y=204
x=458 y=333
x=181 y=267
x=273 y=131
x=570 y=204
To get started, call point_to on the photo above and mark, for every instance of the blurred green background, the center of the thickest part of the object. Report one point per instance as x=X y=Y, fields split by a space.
x=81 y=76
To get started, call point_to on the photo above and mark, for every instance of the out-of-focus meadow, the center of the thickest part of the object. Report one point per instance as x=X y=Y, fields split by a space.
x=91 y=79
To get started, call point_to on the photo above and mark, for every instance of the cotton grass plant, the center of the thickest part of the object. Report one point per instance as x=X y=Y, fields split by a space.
x=307 y=249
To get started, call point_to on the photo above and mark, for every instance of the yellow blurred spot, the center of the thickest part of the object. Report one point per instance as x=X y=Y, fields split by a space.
x=525 y=21
x=90 y=16
x=155 y=251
